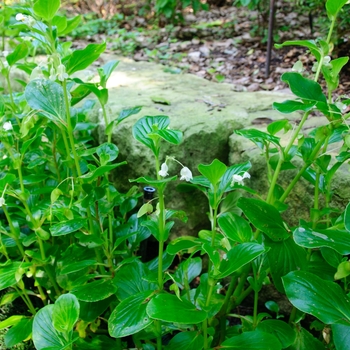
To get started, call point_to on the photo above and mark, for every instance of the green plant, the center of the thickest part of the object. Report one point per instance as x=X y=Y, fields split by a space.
x=70 y=241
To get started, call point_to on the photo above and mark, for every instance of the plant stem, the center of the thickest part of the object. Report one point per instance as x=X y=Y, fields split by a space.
x=23 y=294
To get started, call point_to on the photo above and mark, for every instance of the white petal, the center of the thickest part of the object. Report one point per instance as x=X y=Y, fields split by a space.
x=163 y=170
x=2 y=201
x=7 y=126
x=186 y=174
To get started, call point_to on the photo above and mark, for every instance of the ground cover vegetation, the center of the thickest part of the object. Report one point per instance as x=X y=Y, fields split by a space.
x=72 y=244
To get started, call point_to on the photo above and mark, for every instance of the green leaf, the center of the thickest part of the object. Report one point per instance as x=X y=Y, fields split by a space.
x=150 y=181
x=335 y=239
x=169 y=308
x=45 y=336
x=239 y=256
x=146 y=126
x=304 y=88
x=89 y=311
x=60 y=22
x=333 y=7
x=46 y=9
x=278 y=125
x=341 y=336
x=74 y=267
x=310 y=44
x=11 y=321
x=323 y=299
x=214 y=171
x=281 y=330
x=235 y=227
x=264 y=217
x=260 y=138
x=19 y=332
x=81 y=59
x=130 y=280
x=107 y=152
x=95 y=291
x=284 y=257
x=65 y=227
x=347 y=217
x=65 y=312
x=290 y=106
x=305 y=341
x=72 y=23
x=125 y=113
x=255 y=340
x=171 y=136
x=184 y=243
x=21 y=51
x=8 y=274
x=106 y=71
x=187 y=271
x=186 y=341
x=213 y=255
x=130 y=316
x=92 y=175
x=160 y=100
x=47 y=96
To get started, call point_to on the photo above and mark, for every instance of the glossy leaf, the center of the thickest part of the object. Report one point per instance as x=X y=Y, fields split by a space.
x=255 y=340
x=323 y=299
x=187 y=271
x=19 y=332
x=107 y=152
x=186 y=341
x=8 y=274
x=239 y=256
x=66 y=227
x=47 y=97
x=235 y=227
x=130 y=316
x=95 y=291
x=335 y=239
x=347 y=217
x=264 y=217
x=168 y=308
x=304 y=88
x=81 y=59
x=213 y=172
x=20 y=51
x=184 y=243
x=284 y=257
x=171 y=136
x=105 y=72
x=65 y=312
x=310 y=44
x=260 y=138
x=92 y=175
x=46 y=9
x=125 y=113
x=341 y=336
x=333 y=7
x=281 y=330
x=146 y=126
x=290 y=106
x=305 y=341
x=90 y=311
x=45 y=336
x=72 y=23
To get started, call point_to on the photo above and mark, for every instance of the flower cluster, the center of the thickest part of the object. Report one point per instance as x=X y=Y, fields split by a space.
x=238 y=179
x=185 y=173
x=28 y=20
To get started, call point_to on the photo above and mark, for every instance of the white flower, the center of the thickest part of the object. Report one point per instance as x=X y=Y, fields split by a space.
x=186 y=174
x=52 y=74
x=61 y=72
x=7 y=126
x=36 y=73
x=163 y=170
x=20 y=17
x=5 y=53
x=239 y=178
x=2 y=201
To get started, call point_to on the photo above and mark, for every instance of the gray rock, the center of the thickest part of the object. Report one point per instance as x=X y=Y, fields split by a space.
x=194 y=56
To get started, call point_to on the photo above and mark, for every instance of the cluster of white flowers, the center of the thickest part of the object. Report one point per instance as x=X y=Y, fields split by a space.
x=185 y=173
x=238 y=179
x=28 y=20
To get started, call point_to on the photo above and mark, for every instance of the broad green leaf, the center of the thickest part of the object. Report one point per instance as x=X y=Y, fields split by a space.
x=347 y=217
x=107 y=152
x=213 y=255
x=65 y=227
x=27 y=143
x=235 y=227
x=187 y=271
x=90 y=311
x=291 y=106
x=45 y=336
x=264 y=217
x=305 y=341
x=125 y=113
x=186 y=341
x=281 y=330
x=187 y=244
x=278 y=125
x=65 y=312
x=310 y=44
x=260 y=138
x=81 y=59
x=213 y=172
x=168 y=308
x=130 y=316
x=284 y=257
x=95 y=291
x=255 y=340
x=19 y=332
x=239 y=256
x=47 y=96
x=92 y=175
x=21 y=51
x=106 y=71
x=171 y=136
x=333 y=7
x=341 y=336
x=8 y=274
x=11 y=321
x=335 y=239
x=130 y=280
x=146 y=126
x=74 y=267
x=304 y=88
x=6 y=178
x=343 y=270
x=150 y=181
x=323 y=299
x=46 y=9
x=72 y=23
x=60 y=22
